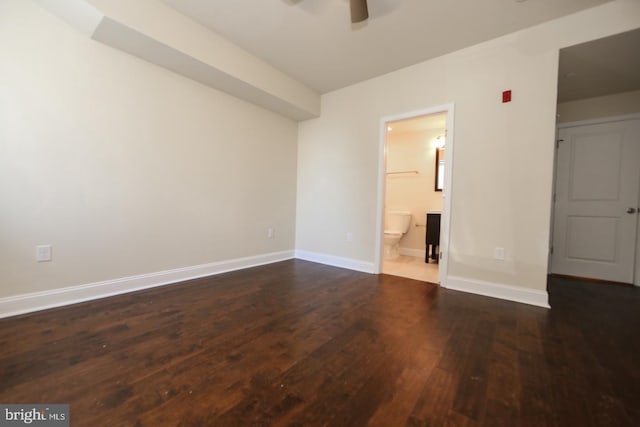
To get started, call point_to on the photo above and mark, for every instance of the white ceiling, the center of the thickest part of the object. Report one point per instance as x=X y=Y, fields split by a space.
x=314 y=42
x=600 y=67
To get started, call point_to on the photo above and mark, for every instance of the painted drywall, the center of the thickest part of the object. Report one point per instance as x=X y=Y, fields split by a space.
x=415 y=193
x=619 y=104
x=503 y=160
x=124 y=167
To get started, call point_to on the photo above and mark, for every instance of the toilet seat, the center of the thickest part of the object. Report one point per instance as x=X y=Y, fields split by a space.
x=392 y=233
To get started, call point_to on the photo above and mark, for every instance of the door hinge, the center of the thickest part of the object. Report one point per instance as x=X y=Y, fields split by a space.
x=551 y=250
x=554 y=197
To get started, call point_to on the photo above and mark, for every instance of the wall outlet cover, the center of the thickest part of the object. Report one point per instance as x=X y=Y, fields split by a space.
x=43 y=253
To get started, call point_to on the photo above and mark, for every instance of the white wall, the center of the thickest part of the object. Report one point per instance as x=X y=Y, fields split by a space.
x=124 y=167
x=503 y=160
x=619 y=104
x=414 y=193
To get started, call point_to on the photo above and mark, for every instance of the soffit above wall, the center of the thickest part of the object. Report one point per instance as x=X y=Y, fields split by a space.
x=156 y=33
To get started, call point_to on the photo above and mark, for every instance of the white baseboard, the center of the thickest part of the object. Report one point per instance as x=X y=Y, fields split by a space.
x=496 y=290
x=418 y=253
x=351 y=264
x=26 y=303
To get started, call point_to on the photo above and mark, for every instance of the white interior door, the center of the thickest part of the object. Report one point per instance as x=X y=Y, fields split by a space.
x=597 y=186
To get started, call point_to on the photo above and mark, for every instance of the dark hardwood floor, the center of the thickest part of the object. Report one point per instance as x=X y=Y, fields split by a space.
x=302 y=344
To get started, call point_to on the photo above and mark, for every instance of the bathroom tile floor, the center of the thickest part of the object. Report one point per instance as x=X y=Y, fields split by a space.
x=412 y=268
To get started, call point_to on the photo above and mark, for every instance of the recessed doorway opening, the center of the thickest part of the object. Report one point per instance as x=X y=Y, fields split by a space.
x=595 y=221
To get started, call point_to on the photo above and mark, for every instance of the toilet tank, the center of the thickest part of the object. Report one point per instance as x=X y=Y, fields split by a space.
x=397 y=221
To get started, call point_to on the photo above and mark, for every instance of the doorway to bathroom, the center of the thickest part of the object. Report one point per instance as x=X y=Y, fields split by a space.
x=414 y=181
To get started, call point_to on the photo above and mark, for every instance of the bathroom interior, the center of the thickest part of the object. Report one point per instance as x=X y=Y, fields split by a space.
x=414 y=176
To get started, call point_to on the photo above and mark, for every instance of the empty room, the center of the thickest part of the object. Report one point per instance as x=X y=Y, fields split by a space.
x=319 y=212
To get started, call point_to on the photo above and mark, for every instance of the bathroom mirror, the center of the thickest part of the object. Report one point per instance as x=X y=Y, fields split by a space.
x=439 y=169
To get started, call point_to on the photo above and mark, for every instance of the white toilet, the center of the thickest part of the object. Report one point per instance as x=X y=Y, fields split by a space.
x=396 y=225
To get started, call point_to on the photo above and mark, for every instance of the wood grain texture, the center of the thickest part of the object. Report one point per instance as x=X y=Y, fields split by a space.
x=302 y=344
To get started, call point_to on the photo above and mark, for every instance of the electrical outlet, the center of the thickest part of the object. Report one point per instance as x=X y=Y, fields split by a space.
x=43 y=253
x=498 y=253
x=270 y=232
x=349 y=237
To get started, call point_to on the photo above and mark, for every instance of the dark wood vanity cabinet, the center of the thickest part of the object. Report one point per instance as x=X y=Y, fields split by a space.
x=432 y=237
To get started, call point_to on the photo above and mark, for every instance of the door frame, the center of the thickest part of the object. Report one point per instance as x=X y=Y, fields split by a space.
x=588 y=122
x=446 y=193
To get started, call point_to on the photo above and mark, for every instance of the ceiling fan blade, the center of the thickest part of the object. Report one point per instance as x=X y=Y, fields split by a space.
x=359 y=11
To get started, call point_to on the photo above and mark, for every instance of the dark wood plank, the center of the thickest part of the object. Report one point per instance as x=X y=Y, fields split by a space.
x=301 y=344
